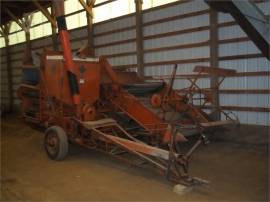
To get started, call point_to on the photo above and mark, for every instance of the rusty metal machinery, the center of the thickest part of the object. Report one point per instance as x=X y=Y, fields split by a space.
x=82 y=99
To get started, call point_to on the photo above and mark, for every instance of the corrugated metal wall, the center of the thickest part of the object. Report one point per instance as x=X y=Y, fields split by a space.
x=113 y=38
x=4 y=81
x=256 y=64
x=177 y=37
x=176 y=33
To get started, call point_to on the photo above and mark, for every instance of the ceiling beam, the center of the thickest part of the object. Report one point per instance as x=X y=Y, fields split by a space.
x=87 y=7
x=14 y=18
x=45 y=12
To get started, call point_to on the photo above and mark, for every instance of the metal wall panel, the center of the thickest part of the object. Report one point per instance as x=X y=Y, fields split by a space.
x=230 y=32
x=239 y=48
x=115 y=24
x=78 y=33
x=119 y=36
x=176 y=25
x=41 y=42
x=182 y=8
x=168 y=55
x=124 y=60
x=114 y=49
x=182 y=39
x=167 y=41
x=244 y=65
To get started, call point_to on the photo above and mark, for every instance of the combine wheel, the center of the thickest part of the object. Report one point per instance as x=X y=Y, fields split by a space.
x=56 y=143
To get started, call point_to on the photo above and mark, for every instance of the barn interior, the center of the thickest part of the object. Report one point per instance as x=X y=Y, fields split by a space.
x=135 y=100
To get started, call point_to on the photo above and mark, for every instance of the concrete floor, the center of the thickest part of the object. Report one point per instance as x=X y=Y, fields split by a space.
x=236 y=165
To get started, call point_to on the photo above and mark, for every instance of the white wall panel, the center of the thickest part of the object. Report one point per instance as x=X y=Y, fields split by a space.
x=127 y=47
x=188 y=53
x=231 y=32
x=259 y=118
x=247 y=100
x=240 y=48
x=188 y=38
x=78 y=33
x=258 y=82
x=174 y=10
x=125 y=60
x=41 y=42
x=119 y=36
x=112 y=25
x=246 y=65
x=176 y=25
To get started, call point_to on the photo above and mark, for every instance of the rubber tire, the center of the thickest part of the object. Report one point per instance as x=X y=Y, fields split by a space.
x=62 y=143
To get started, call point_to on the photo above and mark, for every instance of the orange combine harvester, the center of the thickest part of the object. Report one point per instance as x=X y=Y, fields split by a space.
x=82 y=99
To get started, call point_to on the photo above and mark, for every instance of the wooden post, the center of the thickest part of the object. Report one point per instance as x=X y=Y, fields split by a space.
x=89 y=16
x=27 y=19
x=51 y=19
x=54 y=34
x=25 y=24
x=88 y=7
x=139 y=38
x=5 y=32
x=214 y=59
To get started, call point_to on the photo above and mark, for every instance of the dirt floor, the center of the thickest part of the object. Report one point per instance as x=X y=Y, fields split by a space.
x=236 y=164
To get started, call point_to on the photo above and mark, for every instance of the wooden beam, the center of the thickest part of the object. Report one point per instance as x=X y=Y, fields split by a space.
x=90 y=30
x=139 y=38
x=14 y=18
x=5 y=32
x=45 y=12
x=214 y=59
x=54 y=33
x=26 y=21
x=87 y=6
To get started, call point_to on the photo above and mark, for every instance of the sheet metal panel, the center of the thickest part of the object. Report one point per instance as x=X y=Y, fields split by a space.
x=120 y=48
x=247 y=100
x=239 y=48
x=125 y=60
x=78 y=44
x=258 y=82
x=17 y=47
x=41 y=42
x=115 y=24
x=246 y=65
x=176 y=25
x=182 y=8
x=119 y=36
x=258 y=118
x=78 y=33
x=231 y=32
x=3 y=59
x=188 y=38
x=169 y=55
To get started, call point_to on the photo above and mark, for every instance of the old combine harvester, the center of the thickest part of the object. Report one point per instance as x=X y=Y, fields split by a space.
x=82 y=99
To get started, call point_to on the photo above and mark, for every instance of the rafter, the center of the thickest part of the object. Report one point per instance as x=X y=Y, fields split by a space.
x=14 y=18
x=88 y=8
x=45 y=12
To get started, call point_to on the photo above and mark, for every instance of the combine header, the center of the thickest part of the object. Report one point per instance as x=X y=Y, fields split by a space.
x=82 y=99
